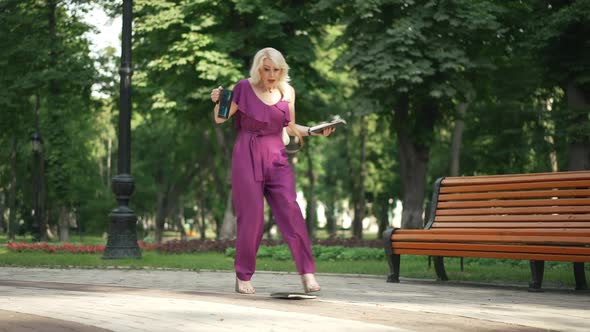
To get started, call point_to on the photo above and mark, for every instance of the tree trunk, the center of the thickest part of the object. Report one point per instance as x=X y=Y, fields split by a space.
x=64 y=224
x=160 y=213
x=167 y=197
x=203 y=223
x=456 y=149
x=413 y=160
x=40 y=181
x=43 y=198
x=578 y=156
x=179 y=220
x=310 y=209
x=2 y=208
x=228 y=228
x=330 y=218
x=109 y=160
x=359 y=195
x=55 y=120
x=549 y=126
x=457 y=140
x=382 y=203
x=579 y=146
x=218 y=223
x=52 y=227
x=12 y=194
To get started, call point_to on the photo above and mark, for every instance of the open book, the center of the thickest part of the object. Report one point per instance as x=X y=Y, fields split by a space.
x=334 y=122
x=293 y=296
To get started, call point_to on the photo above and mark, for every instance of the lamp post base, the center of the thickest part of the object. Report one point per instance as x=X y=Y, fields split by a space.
x=122 y=242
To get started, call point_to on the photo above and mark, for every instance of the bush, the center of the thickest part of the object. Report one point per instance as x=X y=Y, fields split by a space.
x=69 y=248
x=181 y=247
x=320 y=252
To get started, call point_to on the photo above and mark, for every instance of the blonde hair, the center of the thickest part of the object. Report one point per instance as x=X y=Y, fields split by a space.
x=277 y=59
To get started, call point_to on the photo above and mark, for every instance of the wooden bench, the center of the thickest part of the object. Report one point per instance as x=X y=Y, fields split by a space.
x=538 y=217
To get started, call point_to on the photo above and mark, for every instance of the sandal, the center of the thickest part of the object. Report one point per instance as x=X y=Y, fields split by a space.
x=310 y=285
x=244 y=287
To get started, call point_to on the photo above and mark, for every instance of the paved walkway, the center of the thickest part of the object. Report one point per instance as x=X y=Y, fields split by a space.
x=36 y=299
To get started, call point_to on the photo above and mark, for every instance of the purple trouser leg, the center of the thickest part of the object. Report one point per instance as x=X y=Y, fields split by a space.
x=279 y=189
x=281 y=197
x=249 y=206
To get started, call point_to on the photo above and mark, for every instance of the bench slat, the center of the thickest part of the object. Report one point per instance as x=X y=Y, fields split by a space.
x=516 y=186
x=498 y=232
x=452 y=225
x=509 y=218
x=520 y=178
x=516 y=194
x=471 y=238
x=527 y=256
x=515 y=203
x=495 y=247
x=516 y=210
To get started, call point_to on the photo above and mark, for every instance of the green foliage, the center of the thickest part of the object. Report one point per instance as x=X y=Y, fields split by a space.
x=406 y=46
x=558 y=31
x=321 y=253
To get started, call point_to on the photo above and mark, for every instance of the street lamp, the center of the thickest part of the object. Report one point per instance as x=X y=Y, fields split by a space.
x=122 y=242
x=37 y=146
x=37 y=142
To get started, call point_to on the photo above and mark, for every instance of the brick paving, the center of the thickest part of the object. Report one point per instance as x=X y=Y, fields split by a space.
x=37 y=299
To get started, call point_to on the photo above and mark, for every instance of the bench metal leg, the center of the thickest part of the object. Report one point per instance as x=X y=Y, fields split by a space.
x=394 y=268
x=392 y=259
x=439 y=267
x=537 y=271
x=580 y=276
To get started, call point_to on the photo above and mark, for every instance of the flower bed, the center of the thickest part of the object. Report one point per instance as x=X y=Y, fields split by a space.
x=181 y=247
x=68 y=248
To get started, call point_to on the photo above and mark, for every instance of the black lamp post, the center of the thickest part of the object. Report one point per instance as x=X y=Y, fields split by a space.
x=37 y=146
x=122 y=242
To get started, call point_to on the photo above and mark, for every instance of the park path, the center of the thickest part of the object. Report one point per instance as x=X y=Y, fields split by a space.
x=166 y=300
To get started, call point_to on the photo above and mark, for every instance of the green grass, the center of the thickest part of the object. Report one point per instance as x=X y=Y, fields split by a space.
x=557 y=274
x=86 y=239
x=208 y=260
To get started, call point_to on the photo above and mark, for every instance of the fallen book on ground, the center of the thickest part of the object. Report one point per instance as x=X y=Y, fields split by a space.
x=293 y=296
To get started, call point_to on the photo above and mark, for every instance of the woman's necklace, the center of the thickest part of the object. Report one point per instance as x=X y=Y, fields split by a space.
x=268 y=93
x=265 y=89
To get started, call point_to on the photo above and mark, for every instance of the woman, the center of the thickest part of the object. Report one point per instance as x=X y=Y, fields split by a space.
x=262 y=105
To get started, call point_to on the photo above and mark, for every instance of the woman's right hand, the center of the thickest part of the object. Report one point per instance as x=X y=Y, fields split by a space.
x=215 y=94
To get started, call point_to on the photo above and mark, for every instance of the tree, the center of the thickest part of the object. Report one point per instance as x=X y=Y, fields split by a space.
x=414 y=56
x=45 y=49
x=558 y=39
x=21 y=66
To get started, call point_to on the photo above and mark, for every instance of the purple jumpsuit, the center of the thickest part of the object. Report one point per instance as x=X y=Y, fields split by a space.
x=260 y=168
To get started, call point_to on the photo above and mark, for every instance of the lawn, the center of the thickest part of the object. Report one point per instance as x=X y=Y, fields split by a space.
x=557 y=274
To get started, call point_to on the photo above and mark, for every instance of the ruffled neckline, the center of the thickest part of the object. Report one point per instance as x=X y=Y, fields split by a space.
x=260 y=99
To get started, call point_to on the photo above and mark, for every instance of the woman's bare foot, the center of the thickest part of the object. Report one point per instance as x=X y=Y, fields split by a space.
x=310 y=285
x=244 y=287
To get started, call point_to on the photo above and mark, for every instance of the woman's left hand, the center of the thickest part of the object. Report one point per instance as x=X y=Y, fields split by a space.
x=327 y=131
